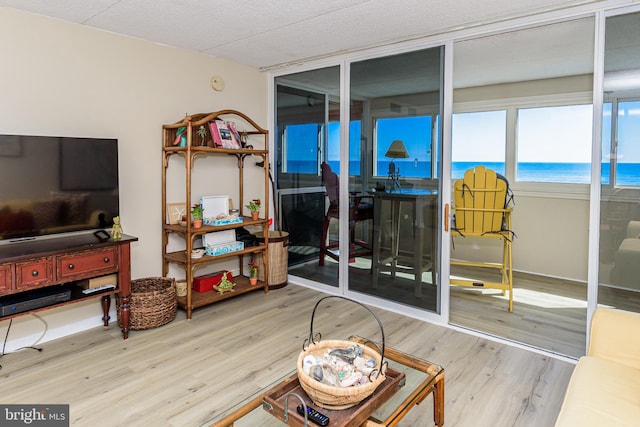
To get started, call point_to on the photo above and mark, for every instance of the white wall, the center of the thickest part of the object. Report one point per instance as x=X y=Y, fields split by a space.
x=552 y=238
x=552 y=232
x=63 y=79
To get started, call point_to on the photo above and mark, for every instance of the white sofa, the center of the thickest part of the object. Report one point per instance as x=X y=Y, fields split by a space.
x=604 y=389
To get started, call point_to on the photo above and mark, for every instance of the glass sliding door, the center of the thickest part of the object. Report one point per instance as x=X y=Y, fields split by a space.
x=523 y=107
x=619 y=267
x=395 y=106
x=307 y=139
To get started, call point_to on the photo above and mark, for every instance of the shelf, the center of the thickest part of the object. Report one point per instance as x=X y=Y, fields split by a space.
x=76 y=296
x=181 y=256
x=213 y=150
x=201 y=299
x=246 y=220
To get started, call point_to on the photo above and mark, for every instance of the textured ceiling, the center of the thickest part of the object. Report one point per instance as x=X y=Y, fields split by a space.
x=270 y=33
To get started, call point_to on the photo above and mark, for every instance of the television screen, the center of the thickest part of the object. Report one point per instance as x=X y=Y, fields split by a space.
x=51 y=185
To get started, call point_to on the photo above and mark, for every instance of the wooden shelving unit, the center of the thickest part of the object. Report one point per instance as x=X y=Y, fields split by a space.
x=257 y=140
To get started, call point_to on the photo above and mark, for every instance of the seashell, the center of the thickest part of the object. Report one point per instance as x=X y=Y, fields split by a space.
x=345 y=372
x=318 y=374
x=329 y=377
x=363 y=380
x=309 y=360
x=347 y=354
x=363 y=365
x=351 y=380
x=307 y=363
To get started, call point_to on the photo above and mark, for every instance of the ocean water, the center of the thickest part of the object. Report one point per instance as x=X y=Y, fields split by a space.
x=580 y=173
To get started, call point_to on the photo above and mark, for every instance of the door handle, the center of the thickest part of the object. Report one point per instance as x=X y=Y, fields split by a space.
x=446 y=217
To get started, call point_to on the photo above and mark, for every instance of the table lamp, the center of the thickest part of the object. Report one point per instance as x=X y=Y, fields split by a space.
x=397 y=150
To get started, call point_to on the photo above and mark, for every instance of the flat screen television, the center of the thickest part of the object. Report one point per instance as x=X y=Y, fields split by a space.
x=52 y=185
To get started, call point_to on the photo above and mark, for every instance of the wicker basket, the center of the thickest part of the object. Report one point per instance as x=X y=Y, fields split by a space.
x=152 y=303
x=278 y=259
x=333 y=397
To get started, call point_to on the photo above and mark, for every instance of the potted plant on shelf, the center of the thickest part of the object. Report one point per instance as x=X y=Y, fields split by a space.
x=196 y=213
x=254 y=207
x=253 y=273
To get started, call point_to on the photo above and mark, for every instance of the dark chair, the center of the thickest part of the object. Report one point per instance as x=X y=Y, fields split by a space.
x=359 y=210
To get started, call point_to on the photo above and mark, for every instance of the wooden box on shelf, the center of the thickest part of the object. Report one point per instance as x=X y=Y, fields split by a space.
x=208 y=281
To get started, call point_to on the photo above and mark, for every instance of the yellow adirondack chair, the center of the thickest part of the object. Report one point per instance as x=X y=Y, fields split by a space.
x=480 y=212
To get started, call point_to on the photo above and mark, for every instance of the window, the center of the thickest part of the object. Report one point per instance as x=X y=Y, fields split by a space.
x=628 y=150
x=554 y=144
x=301 y=148
x=333 y=148
x=478 y=138
x=415 y=132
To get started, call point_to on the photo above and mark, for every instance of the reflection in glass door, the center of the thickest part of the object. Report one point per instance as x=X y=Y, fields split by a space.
x=393 y=186
x=532 y=124
x=307 y=140
x=619 y=267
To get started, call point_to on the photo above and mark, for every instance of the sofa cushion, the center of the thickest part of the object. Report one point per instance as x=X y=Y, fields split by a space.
x=601 y=393
x=614 y=336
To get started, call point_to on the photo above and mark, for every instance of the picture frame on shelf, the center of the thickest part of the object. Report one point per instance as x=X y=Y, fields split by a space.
x=175 y=212
x=227 y=137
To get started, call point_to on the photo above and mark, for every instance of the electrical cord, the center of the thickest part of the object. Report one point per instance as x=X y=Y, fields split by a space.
x=6 y=338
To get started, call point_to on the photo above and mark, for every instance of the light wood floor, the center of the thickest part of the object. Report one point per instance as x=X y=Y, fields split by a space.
x=185 y=372
x=549 y=313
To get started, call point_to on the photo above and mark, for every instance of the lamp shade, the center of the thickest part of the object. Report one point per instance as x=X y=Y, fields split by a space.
x=397 y=150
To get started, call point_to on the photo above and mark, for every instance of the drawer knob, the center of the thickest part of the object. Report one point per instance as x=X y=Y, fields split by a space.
x=34 y=273
x=106 y=260
x=71 y=266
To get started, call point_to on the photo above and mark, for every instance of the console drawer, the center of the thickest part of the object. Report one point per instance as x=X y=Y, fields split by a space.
x=34 y=273
x=85 y=264
x=6 y=277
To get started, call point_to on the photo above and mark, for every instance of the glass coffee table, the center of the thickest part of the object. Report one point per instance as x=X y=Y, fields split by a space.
x=420 y=379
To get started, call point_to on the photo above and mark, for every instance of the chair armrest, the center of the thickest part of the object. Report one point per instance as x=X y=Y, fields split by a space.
x=615 y=335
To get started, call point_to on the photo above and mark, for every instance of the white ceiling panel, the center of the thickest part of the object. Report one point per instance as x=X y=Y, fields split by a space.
x=68 y=10
x=263 y=34
x=556 y=50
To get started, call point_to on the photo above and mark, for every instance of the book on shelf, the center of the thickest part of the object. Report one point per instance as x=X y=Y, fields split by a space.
x=215 y=135
x=235 y=133
x=227 y=138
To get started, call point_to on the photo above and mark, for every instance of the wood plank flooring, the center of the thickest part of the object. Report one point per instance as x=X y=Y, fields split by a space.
x=185 y=372
x=549 y=313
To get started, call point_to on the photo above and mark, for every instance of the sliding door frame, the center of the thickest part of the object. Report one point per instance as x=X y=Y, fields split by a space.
x=599 y=11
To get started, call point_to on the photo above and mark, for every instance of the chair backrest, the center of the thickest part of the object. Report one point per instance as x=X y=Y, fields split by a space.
x=479 y=201
x=331 y=182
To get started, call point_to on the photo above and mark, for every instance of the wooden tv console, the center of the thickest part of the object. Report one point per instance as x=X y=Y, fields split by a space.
x=62 y=261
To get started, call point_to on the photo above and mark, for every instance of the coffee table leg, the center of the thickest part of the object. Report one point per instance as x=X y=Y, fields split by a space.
x=438 y=400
